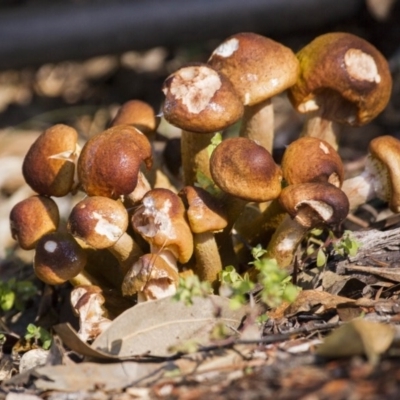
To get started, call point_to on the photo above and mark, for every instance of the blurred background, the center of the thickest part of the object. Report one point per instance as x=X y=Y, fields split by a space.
x=77 y=61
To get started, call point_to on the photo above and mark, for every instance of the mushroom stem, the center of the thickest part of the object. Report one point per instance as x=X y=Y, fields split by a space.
x=316 y=125
x=285 y=240
x=126 y=251
x=372 y=182
x=195 y=157
x=208 y=260
x=258 y=124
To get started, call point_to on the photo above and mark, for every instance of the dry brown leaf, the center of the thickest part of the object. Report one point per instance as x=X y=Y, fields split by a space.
x=356 y=338
x=315 y=301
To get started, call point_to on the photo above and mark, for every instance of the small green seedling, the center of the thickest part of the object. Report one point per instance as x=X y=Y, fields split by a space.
x=38 y=335
x=190 y=287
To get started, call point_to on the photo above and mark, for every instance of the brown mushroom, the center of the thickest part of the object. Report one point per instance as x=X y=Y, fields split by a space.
x=101 y=223
x=49 y=165
x=59 y=258
x=32 y=218
x=381 y=175
x=206 y=216
x=343 y=80
x=200 y=101
x=109 y=163
x=309 y=205
x=259 y=69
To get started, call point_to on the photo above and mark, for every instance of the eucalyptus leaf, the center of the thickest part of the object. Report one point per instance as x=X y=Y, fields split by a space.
x=155 y=327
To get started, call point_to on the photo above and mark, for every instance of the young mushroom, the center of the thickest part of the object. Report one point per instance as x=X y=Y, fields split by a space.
x=138 y=114
x=109 y=163
x=49 y=165
x=259 y=69
x=200 y=101
x=101 y=222
x=343 y=80
x=59 y=258
x=206 y=216
x=32 y=218
x=161 y=221
x=309 y=205
x=151 y=278
x=381 y=175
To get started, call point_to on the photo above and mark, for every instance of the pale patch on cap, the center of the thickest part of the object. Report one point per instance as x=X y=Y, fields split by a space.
x=226 y=49
x=361 y=66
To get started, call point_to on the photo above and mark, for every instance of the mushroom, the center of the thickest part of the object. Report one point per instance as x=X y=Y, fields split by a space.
x=138 y=114
x=343 y=80
x=87 y=303
x=309 y=205
x=161 y=221
x=49 y=165
x=206 y=216
x=245 y=172
x=59 y=258
x=101 y=223
x=310 y=159
x=381 y=175
x=32 y=218
x=200 y=101
x=151 y=278
x=259 y=69
x=307 y=159
x=109 y=163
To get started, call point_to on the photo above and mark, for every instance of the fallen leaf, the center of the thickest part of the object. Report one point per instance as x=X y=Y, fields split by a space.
x=92 y=376
x=356 y=338
x=315 y=301
x=153 y=327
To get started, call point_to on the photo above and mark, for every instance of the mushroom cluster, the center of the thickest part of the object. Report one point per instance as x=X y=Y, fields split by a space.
x=153 y=233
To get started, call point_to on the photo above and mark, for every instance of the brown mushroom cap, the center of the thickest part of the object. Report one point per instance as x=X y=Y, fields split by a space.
x=200 y=99
x=98 y=221
x=162 y=222
x=386 y=150
x=32 y=218
x=310 y=159
x=46 y=167
x=258 y=67
x=345 y=76
x=153 y=276
x=137 y=113
x=205 y=213
x=246 y=170
x=315 y=203
x=58 y=258
x=110 y=161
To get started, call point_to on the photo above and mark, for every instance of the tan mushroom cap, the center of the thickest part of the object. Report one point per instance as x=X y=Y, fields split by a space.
x=315 y=203
x=310 y=159
x=162 y=222
x=48 y=167
x=204 y=212
x=110 y=161
x=98 y=221
x=200 y=99
x=345 y=75
x=32 y=218
x=137 y=113
x=153 y=276
x=58 y=258
x=258 y=67
x=386 y=149
x=246 y=170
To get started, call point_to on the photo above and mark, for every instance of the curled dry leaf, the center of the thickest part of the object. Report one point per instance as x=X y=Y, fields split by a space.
x=356 y=338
